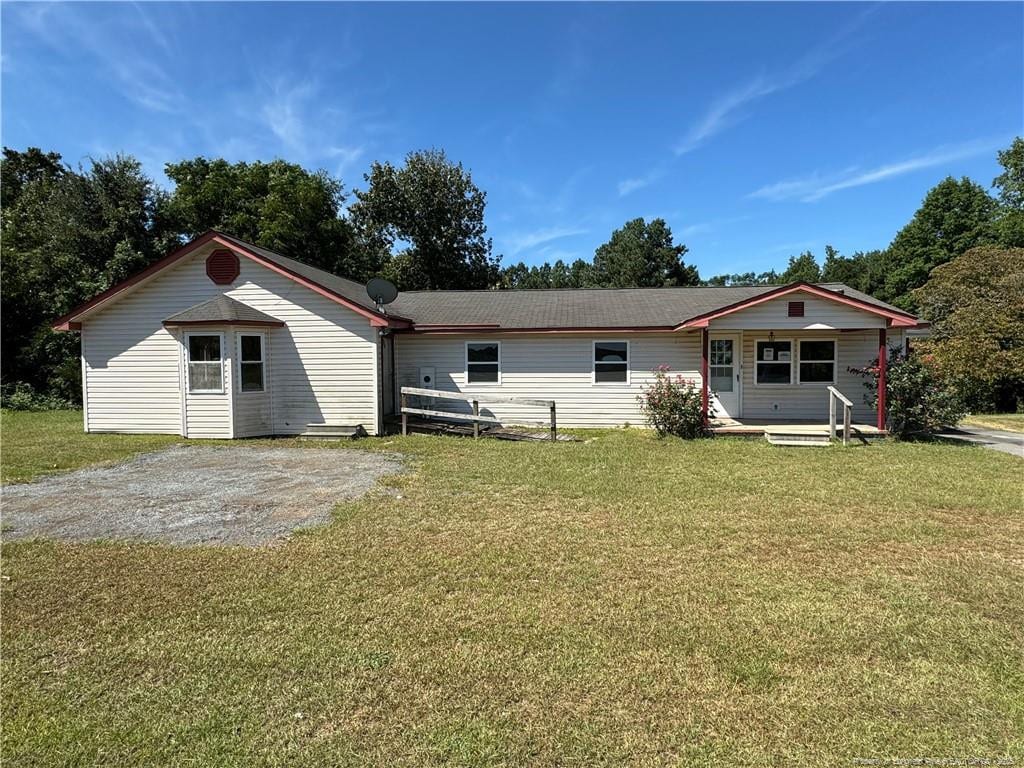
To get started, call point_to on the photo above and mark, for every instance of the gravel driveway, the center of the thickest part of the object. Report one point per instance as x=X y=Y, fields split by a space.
x=195 y=495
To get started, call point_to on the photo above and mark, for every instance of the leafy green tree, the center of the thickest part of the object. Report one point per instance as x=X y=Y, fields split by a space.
x=771 y=277
x=864 y=270
x=579 y=274
x=434 y=211
x=277 y=205
x=802 y=268
x=642 y=255
x=67 y=235
x=976 y=306
x=954 y=217
x=1010 y=183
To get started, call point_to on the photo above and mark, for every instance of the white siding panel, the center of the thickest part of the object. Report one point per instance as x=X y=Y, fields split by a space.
x=810 y=401
x=819 y=313
x=322 y=361
x=549 y=367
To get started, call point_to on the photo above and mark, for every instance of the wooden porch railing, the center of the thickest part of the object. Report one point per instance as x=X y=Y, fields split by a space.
x=475 y=417
x=834 y=395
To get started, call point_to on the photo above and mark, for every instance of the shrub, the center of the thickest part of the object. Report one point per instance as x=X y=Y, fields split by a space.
x=919 y=398
x=20 y=396
x=672 y=405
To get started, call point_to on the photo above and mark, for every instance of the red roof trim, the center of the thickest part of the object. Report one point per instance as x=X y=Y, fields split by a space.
x=897 y=319
x=67 y=322
x=449 y=329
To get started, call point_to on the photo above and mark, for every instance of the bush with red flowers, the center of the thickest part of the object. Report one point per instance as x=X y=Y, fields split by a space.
x=672 y=405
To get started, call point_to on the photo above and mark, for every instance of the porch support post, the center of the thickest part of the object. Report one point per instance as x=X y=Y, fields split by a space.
x=882 y=384
x=704 y=397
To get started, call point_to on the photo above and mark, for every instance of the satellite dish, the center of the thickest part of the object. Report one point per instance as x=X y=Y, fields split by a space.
x=381 y=291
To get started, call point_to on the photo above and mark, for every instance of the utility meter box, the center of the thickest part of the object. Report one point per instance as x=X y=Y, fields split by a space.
x=427 y=377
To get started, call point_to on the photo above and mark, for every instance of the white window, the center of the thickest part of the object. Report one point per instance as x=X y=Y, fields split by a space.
x=250 y=362
x=205 y=365
x=611 y=362
x=817 y=361
x=774 y=362
x=483 y=362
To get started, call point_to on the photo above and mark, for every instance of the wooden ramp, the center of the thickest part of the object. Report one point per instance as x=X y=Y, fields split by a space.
x=439 y=427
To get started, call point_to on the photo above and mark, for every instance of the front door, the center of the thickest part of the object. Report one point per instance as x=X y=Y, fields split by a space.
x=724 y=374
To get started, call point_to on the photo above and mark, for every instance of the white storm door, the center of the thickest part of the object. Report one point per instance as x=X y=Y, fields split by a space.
x=724 y=374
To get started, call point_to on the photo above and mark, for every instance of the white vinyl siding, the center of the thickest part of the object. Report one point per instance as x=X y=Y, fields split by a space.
x=552 y=367
x=810 y=400
x=559 y=367
x=819 y=314
x=322 y=363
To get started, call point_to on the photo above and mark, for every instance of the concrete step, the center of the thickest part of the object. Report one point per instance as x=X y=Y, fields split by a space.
x=802 y=437
x=800 y=443
x=332 y=432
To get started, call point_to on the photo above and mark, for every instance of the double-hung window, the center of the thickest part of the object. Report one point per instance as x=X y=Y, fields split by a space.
x=205 y=365
x=250 y=362
x=817 y=361
x=483 y=362
x=611 y=362
x=774 y=362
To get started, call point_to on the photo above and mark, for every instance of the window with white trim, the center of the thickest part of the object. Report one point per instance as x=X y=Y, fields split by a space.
x=817 y=361
x=773 y=362
x=205 y=365
x=483 y=362
x=250 y=362
x=611 y=362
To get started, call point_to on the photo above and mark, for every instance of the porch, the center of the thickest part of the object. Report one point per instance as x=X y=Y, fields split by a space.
x=793 y=431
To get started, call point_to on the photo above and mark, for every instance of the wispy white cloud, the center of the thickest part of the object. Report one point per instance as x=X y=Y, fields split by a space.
x=728 y=109
x=816 y=186
x=517 y=243
x=628 y=186
x=127 y=46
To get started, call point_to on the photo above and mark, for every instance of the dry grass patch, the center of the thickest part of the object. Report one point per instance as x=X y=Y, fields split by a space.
x=622 y=600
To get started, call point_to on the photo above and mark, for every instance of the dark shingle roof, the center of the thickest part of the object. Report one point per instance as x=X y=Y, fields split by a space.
x=222 y=309
x=584 y=308
x=599 y=308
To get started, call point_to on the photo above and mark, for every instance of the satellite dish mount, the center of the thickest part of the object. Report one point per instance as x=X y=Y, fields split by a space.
x=382 y=292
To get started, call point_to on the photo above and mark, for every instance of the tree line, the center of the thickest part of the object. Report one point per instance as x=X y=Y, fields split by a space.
x=69 y=233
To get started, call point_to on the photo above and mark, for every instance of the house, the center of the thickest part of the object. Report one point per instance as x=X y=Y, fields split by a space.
x=225 y=339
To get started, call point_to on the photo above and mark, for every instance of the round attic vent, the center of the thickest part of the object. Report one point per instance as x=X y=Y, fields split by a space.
x=222 y=267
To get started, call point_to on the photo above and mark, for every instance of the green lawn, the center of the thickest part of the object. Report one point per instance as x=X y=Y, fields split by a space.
x=1011 y=422
x=622 y=600
x=35 y=444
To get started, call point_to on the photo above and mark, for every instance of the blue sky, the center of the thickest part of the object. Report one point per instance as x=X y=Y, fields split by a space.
x=755 y=130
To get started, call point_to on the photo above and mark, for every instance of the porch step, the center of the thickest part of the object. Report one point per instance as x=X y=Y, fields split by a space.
x=332 y=432
x=803 y=438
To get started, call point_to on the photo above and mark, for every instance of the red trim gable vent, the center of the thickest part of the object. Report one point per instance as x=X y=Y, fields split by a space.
x=796 y=309
x=222 y=267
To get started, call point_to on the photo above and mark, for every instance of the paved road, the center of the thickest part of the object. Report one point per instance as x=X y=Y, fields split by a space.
x=1007 y=442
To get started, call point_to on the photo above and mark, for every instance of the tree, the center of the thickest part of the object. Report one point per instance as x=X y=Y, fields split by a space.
x=1010 y=183
x=67 y=235
x=976 y=306
x=277 y=205
x=954 y=217
x=642 y=255
x=802 y=268
x=771 y=277
x=579 y=274
x=432 y=207
x=862 y=271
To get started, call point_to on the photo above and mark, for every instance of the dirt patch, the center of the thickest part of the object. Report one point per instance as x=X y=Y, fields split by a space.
x=195 y=495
